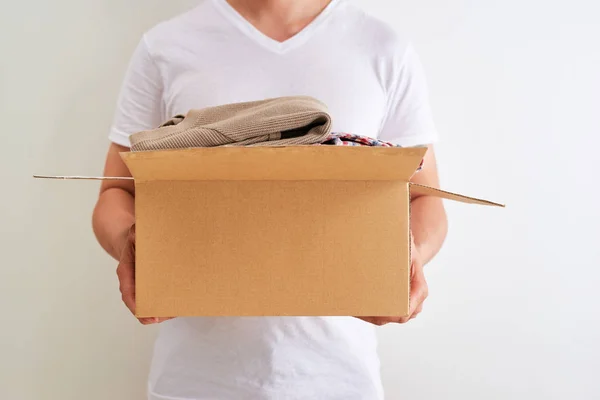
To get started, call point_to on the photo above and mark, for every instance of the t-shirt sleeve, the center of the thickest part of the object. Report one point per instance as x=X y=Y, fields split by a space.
x=140 y=101
x=409 y=120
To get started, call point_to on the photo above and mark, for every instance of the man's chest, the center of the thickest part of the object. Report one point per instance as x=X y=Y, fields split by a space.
x=351 y=90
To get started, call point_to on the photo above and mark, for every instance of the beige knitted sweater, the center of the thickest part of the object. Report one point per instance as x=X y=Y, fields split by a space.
x=281 y=121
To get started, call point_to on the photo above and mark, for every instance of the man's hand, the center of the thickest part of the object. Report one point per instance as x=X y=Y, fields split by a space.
x=114 y=225
x=126 y=274
x=418 y=291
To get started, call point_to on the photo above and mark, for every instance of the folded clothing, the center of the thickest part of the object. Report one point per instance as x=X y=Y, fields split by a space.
x=281 y=121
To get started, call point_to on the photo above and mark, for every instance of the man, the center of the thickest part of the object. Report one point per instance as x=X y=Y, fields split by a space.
x=227 y=51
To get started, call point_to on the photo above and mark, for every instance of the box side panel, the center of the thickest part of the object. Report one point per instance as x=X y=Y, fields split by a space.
x=272 y=248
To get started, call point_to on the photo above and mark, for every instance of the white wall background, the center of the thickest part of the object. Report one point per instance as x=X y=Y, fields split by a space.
x=513 y=311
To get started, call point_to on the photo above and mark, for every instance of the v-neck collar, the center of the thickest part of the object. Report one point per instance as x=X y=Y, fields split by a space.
x=269 y=43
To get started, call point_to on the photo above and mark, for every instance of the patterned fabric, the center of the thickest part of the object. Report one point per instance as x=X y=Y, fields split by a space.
x=350 y=139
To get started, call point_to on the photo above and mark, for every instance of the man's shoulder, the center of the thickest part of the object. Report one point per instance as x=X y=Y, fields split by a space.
x=171 y=30
x=382 y=38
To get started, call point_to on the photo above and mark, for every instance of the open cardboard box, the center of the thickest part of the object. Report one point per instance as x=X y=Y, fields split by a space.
x=257 y=231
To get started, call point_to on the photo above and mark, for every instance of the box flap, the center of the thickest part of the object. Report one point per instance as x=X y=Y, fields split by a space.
x=276 y=163
x=430 y=191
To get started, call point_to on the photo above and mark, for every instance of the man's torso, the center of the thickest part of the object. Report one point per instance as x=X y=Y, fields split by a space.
x=209 y=57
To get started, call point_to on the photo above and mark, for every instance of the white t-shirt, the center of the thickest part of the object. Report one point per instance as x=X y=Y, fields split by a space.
x=373 y=83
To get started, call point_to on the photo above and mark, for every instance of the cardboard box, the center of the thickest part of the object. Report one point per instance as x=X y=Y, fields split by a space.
x=252 y=231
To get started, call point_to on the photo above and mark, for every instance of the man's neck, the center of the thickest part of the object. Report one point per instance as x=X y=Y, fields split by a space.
x=279 y=19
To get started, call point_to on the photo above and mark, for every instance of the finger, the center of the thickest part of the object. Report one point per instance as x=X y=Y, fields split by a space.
x=418 y=294
x=418 y=291
x=126 y=274
x=379 y=321
x=131 y=236
x=412 y=256
x=153 y=320
x=371 y=320
x=417 y=311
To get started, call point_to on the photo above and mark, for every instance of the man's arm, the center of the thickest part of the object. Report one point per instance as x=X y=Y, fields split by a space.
x=114 y=211
x=113 y=222
x=428 y=226
x=428 y=223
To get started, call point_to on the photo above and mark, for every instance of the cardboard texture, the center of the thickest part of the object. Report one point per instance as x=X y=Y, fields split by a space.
x=303 y=230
